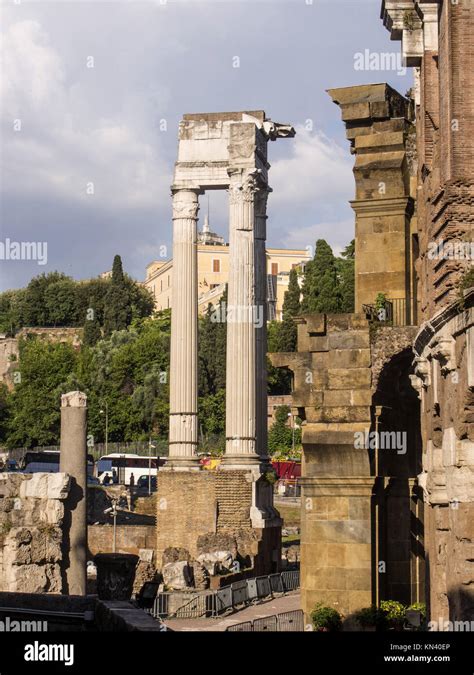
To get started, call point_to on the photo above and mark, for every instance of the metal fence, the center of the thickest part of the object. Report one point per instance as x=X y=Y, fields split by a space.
x=199 y=604
x=287 y=622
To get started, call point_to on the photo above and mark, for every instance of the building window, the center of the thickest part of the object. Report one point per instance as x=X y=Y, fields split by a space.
x=168 y=280
x=274 y=269
x=216 y=265
x=161 y=286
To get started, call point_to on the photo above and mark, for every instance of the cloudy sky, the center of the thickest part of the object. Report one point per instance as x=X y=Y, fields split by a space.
x=92 y=94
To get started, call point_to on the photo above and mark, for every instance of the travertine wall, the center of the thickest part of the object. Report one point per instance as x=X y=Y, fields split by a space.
x=361 y=513
x=32 y=513
x=332 y=395
x=379 y=125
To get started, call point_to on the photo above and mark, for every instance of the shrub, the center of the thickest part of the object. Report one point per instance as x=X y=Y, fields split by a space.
x=371 y=616
x=326 y=618
x=418 y=607
x=394 y=612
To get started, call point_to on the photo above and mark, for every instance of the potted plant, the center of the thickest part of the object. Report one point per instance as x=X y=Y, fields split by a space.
x=371 y=618
x=325 y=619
x=394 y=612
x=415 y=615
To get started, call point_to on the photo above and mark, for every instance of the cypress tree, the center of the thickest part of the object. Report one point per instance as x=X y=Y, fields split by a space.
x=321 y=289
x=92 y=332
x=117 y=313
x=346 y=270
x=291 y=307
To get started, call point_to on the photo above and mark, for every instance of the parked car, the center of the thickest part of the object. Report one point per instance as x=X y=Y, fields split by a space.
x=142 y=482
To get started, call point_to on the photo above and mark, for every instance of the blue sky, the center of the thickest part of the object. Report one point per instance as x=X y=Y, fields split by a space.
x=153 y=61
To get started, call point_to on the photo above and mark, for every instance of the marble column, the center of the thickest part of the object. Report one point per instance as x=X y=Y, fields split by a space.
x=261 y=293
x=73 y=461
x=242 y=325
x=183 y=431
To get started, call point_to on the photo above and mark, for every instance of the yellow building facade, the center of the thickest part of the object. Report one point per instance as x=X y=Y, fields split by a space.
x=213 y=272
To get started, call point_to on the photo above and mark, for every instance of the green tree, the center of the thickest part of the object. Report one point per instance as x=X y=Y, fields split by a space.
x=12 y=311
x=212 y=349
x=44 y=368
x=280 y=435
x=92 y=333
x=35 y=308
x=321 y=291
x=60 y=303
x=4 y=412
x=288 y=336
x=346 y=273
x=91 y=295
x=118 y=313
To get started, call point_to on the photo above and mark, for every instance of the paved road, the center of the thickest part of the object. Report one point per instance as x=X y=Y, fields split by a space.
x=287 y=603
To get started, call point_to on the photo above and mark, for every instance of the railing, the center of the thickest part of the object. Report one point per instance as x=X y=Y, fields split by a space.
x=392 y=312
x=199 y=604
x=287 y=622
x=99 y=449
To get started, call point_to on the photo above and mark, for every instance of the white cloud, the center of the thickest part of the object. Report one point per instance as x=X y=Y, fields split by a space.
x=59 y=150
x=317 y=170
x=338 y=234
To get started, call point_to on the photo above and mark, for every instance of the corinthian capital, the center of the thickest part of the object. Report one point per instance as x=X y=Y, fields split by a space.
x=243 y=187
x=185 y=204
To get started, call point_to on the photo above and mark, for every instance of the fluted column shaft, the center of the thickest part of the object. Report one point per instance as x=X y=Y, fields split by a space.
x=183 y=428
x=242 y=322
x=261 y=331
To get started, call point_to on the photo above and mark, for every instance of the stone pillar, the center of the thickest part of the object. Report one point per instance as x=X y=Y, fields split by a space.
x=73 y=461
x=183 y=431
x=261 y=302
x=242 y=321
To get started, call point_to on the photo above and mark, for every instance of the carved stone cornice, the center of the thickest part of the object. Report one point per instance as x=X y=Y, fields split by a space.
x=423 y=371
x=453 y=312
x=443 y=349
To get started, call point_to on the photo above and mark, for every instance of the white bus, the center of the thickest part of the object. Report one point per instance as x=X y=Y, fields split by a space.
x=117 y=468
x=47 y=461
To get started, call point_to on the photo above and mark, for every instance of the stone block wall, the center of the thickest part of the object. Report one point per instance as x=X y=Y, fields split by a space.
x=379 y=126
x=32 y=511
x=207 y=511
x=360 y=510
x=445 y=382
x=130 y=538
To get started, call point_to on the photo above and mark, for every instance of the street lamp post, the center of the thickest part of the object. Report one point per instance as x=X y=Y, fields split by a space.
x=150 y=446
x=106 y=427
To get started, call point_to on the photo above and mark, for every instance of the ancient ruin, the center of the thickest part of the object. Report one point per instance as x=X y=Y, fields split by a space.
x=222 y=151
x=386 y=394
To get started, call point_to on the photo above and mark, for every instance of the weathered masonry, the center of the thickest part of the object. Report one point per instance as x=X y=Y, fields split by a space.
x=222 y=151
x=397 y=522
x=437 y=41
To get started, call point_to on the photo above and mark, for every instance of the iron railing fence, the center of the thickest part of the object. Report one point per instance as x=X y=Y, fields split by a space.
x=286 y=622
x=205 y=604
x=393 y=312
